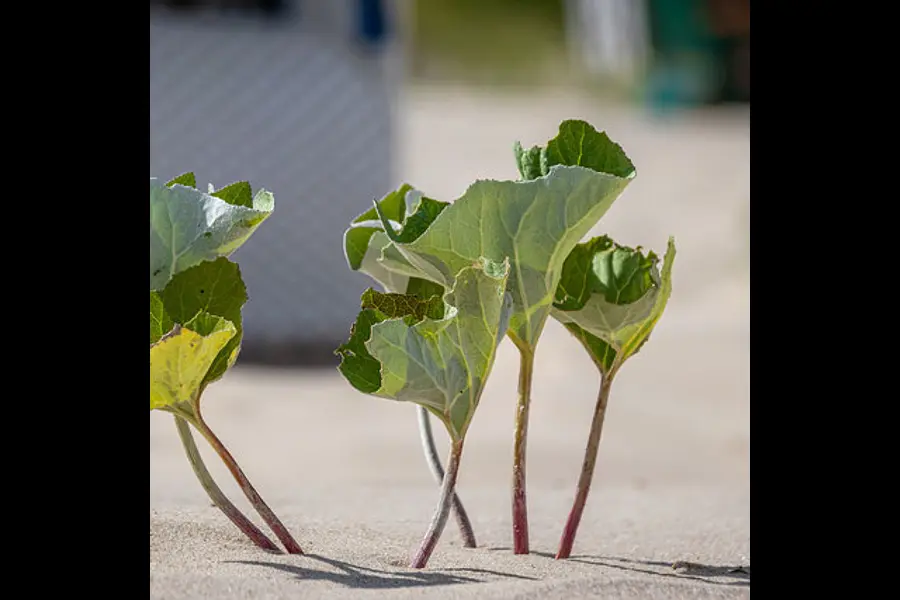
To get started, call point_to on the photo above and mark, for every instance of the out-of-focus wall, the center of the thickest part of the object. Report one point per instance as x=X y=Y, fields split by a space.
x=300 y=103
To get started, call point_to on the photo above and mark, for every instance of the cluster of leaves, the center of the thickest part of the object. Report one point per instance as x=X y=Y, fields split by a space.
x=196 y=297
x=196 y=292
x=426 y=255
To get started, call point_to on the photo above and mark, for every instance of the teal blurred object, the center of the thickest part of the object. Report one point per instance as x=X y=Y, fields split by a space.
x=685 y=66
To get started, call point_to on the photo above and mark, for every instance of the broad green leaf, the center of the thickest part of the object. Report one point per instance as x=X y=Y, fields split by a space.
x=627 y=296
x=180 y=360
x=212 y=287
x=441 y=364
x=160 y=321
x=188 y=226
x=536 y=223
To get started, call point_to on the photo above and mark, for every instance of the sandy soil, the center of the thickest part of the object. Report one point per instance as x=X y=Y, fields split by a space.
x=345 y=471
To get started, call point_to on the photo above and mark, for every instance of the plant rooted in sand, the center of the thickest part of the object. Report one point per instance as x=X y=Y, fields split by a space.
x=196 y=297
x=436 y=353
x=567 y=187
x=610 y=298
x=363 y=242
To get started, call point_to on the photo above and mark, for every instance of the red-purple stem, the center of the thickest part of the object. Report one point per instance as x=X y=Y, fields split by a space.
x=519 y=500
x=216 y=494
x=253 y=496
x=587 y=470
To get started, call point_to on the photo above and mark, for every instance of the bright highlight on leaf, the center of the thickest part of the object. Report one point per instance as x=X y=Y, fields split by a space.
x=188 y=226
x=181 y=359
x=399 y=350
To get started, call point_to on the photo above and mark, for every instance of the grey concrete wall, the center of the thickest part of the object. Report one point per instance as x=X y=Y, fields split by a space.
x=296 y=106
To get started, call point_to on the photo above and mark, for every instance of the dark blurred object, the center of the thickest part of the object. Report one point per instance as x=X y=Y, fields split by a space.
x=371 y=21
x=729 y=20
x=267 y=7
x=702 y=51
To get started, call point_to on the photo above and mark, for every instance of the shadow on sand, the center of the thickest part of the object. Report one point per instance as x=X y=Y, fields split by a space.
x=730 y=575
x=354 y=576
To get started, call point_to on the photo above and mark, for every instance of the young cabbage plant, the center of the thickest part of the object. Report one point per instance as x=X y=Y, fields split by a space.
x=363 y=243
x=437 y=353
x=196 y=297
x=567 y=187
x=610 y=297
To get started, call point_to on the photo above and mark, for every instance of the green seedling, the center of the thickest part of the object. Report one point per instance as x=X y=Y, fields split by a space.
x=535 y=222
x=196 y=297
x=610 y=298
x=365 y=236
x=437 y=353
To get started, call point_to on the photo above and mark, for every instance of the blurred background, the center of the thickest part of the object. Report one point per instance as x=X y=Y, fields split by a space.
x=330 y=104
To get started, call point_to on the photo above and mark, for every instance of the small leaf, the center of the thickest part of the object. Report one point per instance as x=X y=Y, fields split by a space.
x=185 y=179
x=367 y=237
x=528 y=161
x=441 y=364
x=212 y=287
x=402 y=305
x=188 y=226
x=237 y=194
x=627 y=296
x=180 y=360
x=160 y=321
x=578 y=143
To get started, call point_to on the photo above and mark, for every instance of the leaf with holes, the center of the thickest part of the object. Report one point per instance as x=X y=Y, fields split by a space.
x=188 y=226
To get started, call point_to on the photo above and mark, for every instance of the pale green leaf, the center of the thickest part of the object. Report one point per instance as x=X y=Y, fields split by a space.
x=442 y=364
x=534 y=223
x=180 y=360
x=188 y=226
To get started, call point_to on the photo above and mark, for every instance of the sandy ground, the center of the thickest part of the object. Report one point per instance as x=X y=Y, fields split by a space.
x=346 y=474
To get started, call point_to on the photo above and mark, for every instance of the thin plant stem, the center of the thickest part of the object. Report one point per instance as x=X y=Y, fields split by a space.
x=587 y=470
x=519 y=500
x=216 y=494
x=443 y=508
x=434 y=462
x=253 y=496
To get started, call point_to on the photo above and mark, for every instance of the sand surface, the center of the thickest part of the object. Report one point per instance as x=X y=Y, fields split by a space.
x=345 y=471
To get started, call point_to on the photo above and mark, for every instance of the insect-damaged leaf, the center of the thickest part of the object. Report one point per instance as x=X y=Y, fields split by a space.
x=181 y=359
x=212 y=287
x=440 y=363
x=188 y=226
